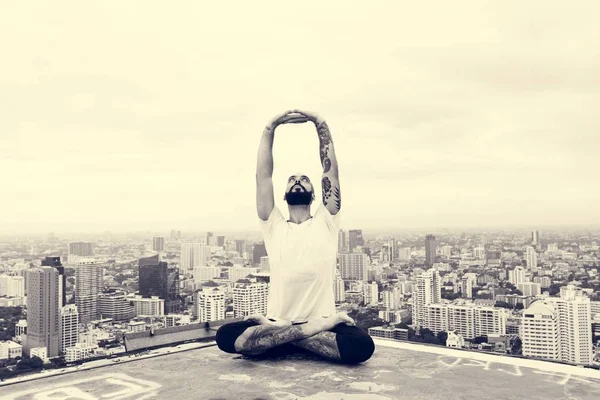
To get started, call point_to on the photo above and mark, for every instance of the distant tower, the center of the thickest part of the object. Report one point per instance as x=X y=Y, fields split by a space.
x=430 y=250
x=240 y=247
x=259 y=251
x=81 y=249
x=342 y=241
x=531 y=257
x=158 y=244
x=42 y=309
x=194 y=255
x=355 y=239
x=62 y=281
x=535 y=238
x=393 y=249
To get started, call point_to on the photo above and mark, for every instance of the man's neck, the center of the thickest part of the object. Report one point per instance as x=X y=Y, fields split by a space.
x=299 y=214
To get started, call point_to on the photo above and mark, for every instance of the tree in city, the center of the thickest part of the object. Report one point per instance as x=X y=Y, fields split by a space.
x=479 y=340
x=502 y=304
x=516 y=346
x=30 y=363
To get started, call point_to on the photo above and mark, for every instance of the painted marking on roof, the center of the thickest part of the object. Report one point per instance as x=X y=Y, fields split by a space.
x=108 y=386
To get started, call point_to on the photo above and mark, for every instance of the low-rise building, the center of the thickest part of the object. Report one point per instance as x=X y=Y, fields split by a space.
x=10 y=349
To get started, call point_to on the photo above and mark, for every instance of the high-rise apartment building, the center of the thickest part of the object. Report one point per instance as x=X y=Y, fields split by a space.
x=194 y=255
x=563 y=322
x=517 y=275
x=530 y=289
x=81 y=249
x=339 y=288
x=250 y=298
x=355 y=239
x=531 y=257
x=158 y=244
x=205 y=274
x=468 y=319
x=12 y=286
x=428 y=290
x=209 y=303
x=89 y=283
x=430 y=250
x=404 y=254
x=354 y=266
x=371 y=294
x=148 y=307
x=468 y=281
x=69 y=327
x=42 y=310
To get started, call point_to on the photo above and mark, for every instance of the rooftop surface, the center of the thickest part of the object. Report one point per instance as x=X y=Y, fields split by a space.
x=397 y=370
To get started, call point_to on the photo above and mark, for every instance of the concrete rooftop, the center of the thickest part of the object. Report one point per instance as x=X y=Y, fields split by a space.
x=397 y=370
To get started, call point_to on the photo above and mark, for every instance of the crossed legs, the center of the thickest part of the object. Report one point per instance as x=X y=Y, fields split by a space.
x=335 y=338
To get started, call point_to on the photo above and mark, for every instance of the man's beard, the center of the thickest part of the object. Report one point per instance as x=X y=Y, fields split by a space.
x=303 y=198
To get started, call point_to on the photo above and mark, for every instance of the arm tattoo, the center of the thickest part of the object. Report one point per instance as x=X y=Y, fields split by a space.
x=323 y=344
x=325 y=140
x=326 y=184
x=261 y=338
x=338 y=197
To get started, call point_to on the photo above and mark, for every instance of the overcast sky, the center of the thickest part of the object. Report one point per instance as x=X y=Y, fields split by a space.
x=131 y=115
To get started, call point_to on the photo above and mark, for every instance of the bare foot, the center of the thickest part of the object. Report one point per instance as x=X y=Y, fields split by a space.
x=262 y=320
x=343 y=318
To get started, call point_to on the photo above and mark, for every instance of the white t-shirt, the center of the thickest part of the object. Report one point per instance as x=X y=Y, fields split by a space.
x=302 y=260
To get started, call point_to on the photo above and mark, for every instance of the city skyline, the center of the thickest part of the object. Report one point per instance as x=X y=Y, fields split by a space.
x=475 y=117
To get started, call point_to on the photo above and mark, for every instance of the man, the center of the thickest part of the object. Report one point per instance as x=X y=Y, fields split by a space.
x=302 y=256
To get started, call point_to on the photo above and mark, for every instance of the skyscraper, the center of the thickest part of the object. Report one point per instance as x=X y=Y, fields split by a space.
x=81 y=249
x=194 y=255
x=173 y=301
x=535 y=238
x=89 y=283
x=342 y=241
x=42 y=309
x=158 y=244
x=430 y=250
x=54 y=262
x=355 y=239
x=153 y=277
x=221 y=241
x=393 y=249
x=428 y=290
x=69 y=327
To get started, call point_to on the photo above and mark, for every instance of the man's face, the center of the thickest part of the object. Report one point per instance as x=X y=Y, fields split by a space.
x=299 y=190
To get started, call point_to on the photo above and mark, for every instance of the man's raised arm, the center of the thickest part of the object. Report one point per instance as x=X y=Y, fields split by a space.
x=265 y=200
x=330 y=181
